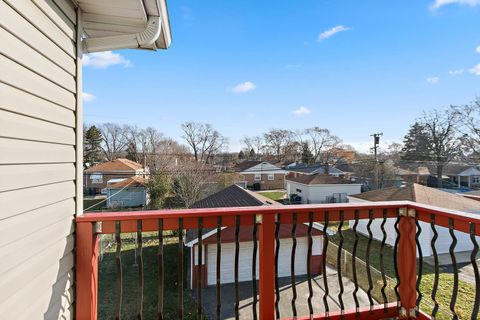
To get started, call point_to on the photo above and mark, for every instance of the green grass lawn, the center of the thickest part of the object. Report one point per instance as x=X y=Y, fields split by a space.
x=275 y=195
x=94 y=204
x=107 y=281
x=466 y=294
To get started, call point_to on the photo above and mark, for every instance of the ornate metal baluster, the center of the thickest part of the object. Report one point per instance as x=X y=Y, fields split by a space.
x=254 y=269
x=473 y=260
x=324 y=262
x=367 y=258
x=382 y=263
x=420 y=264
x=180 y=268
x=160 y=270
x=309 y=266
x=237 y=255
x=218 y=274
x=395 y=258
x=277 y=251
x=118 y=263
x=339 y=259
x=139 y=259
x=292 y=264
x=451 y=250
x=436 y=266
x=354 y=263
x=199 y=268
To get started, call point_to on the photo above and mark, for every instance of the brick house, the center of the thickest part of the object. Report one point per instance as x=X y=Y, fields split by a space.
x=265 y=174
x=97 y=177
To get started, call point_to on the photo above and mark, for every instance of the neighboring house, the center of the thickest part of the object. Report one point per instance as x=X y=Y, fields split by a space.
x=463 y=175
x=235 y=196
x=263 y=174
x=127 y=193
x=321 y=188
x=41 y=124
x=98 y=176
x=316 y=168
x=424 y=195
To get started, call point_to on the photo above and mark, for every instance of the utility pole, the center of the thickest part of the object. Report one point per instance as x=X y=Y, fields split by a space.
x=376 y=143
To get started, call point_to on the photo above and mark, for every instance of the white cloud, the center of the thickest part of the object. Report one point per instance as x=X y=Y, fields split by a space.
x=301 y=111
x=433 y=80
x=88 y=97
x=478 y=49
x=102 y=60
x=476 y=70
x=244 y=87
x=331 y=32
x=456 y=72
x=440 y=3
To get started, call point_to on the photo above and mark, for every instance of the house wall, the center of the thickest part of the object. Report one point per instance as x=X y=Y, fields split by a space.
x=129 y=197
x=319 y=193
x=265 y=184
x=40 y=146
x=106 y=176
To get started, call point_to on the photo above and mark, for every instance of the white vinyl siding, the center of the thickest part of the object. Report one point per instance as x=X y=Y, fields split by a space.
x=38 y=159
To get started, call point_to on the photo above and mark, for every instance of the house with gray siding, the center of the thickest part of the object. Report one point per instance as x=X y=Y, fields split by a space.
x=41 y=137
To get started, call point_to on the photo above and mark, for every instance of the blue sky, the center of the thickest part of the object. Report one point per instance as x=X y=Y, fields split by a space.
x=245 y=66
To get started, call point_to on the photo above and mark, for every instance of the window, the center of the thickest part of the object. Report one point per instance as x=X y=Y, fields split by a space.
x=299 y=190
x=271 y=177
x=96 y=178
x=258 y=177
x=476 y=179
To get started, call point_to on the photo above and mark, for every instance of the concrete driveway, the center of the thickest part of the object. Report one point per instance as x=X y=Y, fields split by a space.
x=245 y=288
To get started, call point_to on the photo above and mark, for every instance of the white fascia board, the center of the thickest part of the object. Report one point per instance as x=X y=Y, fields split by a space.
x=205 y=236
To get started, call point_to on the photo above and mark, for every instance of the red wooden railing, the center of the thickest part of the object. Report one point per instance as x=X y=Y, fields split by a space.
x=90 y=225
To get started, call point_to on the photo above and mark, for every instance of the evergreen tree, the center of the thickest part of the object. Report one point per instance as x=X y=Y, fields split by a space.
x=241 y=155
x=92 y=147
x=132 y=153
x=307 y=155
x=158 y=187
x=252 y=155
x=416 y=143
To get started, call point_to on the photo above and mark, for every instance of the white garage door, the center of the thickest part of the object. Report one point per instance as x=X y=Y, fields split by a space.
x=245 y=259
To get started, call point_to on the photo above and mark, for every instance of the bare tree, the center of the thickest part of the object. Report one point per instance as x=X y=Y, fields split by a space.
x=443 y=141
x=469 y=116
x=254 y=143
x=188 y=183
x=325 y=146
x=168 y=156
x=114 y=140
x=204 y=140
x=279 y=142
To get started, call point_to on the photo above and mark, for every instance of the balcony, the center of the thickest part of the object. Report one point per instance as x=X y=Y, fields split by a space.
x=409 y=294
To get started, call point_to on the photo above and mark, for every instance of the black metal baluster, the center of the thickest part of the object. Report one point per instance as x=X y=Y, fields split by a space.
x=160 y=270
x=339 y=267
x=436 y=266
x=118 y=262
x=218 y=274
x=395 y=258
x=382 y=263
x=324 y=262
x=199 y=268
x=473 y=260
x=140 y=270
x=451 y=250
x=254 y=268
x=420 y=264
x=354 y=263
x=309 y=259
x=367 y=258
x=277 y=251
x=237 y=255
x=180 y=268
x=292 y=264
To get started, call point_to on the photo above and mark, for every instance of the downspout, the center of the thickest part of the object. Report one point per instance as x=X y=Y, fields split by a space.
x=145 y=39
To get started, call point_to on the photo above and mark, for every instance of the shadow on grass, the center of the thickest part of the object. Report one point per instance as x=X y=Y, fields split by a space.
x=107 y=283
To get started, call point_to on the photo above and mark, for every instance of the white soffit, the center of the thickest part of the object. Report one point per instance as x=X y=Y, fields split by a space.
x=121 y=24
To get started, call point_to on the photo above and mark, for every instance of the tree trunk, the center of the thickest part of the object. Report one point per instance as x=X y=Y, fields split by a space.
x=439 y=176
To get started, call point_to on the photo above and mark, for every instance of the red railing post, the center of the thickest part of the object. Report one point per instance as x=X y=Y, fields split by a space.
x=267 y=267
x=86 y=266
x=407 y=263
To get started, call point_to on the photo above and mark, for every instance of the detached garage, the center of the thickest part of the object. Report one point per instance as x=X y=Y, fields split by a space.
x=236 y=196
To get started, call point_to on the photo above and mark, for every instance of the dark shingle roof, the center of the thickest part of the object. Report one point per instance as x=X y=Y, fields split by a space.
x=247 y=165
x=314 y=168
x=233 y=196
x=319 y=179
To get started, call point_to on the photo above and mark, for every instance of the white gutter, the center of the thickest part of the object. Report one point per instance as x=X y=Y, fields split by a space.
x=145 y=39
